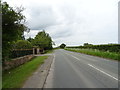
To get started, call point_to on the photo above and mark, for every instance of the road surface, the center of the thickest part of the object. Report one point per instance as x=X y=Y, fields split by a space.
x=75 y=70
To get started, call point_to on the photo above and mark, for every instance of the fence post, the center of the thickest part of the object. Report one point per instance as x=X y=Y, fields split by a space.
x=33 y=51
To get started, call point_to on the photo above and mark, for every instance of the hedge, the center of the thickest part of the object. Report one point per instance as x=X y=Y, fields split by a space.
x=104 y=47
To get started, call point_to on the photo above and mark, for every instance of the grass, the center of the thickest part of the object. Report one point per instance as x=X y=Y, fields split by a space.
x=109 y=55
x=49 y=51
x=16 y=77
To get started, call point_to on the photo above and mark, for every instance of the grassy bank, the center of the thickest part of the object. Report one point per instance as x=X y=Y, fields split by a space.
x=15 y=78
x=109 y=55
x=48 y=51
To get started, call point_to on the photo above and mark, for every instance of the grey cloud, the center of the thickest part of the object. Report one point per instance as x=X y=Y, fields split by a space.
x=62 y=34
x=41 y=17
x=73 y=21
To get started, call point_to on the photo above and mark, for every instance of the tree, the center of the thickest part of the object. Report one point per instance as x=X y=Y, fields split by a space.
x=22 y=44
x=30 y=39
x=86 y=44
x=12 y=27
x=62 y=45
x=43 y=40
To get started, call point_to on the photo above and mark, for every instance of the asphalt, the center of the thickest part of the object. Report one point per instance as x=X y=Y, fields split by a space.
x=75 y=70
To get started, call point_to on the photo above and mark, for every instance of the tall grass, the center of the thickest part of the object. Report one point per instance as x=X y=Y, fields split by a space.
x=94 y=52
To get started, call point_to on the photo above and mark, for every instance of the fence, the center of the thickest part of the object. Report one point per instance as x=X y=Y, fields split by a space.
x=20 y=52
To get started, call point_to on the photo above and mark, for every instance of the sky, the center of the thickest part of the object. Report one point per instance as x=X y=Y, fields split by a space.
x=73 y=22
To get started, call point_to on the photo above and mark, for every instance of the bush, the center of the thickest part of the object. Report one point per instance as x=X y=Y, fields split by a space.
x=62 y=45
x=22 y=44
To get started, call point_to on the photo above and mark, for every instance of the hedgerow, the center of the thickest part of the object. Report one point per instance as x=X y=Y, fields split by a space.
x=104 y=47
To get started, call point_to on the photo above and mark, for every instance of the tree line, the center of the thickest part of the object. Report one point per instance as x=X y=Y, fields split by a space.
x=102 y=47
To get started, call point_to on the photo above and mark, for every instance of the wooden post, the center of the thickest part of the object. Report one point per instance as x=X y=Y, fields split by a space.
x=33 y=51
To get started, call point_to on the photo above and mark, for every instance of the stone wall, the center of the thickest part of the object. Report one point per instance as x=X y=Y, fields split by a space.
x=17 y=62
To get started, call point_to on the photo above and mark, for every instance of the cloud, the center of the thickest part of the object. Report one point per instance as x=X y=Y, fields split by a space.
x=72 y=21
x=31 y=34
x=41 y=17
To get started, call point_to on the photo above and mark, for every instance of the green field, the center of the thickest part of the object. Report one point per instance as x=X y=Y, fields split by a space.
x=16 y=77
x=94 y=52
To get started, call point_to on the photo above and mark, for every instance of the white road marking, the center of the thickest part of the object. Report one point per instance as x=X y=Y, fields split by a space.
x=73 y=56
x=95 y=68
x=78 y=58
x=103 y=72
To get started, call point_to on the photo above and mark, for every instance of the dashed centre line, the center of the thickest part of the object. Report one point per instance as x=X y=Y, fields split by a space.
x=73 y=56
x=103 y=72
x=95 y=68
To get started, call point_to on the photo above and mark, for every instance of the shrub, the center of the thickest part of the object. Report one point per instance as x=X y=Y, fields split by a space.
x=105 y=47
x=22 y=44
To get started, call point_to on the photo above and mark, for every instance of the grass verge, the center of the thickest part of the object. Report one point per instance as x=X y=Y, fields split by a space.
x=16 y=77
x=49 y=51
x=109 y=55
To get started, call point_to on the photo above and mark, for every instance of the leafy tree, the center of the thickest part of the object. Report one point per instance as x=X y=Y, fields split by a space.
x=86 y=44
x=43 y=40
x=22 y=44
x=12 y=27
x=30 y=39
x=62 y=45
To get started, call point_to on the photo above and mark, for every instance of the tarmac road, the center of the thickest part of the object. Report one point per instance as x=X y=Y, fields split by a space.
x=75 y=70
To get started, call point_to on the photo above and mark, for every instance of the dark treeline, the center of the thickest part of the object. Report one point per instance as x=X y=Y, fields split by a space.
x=104 y=47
